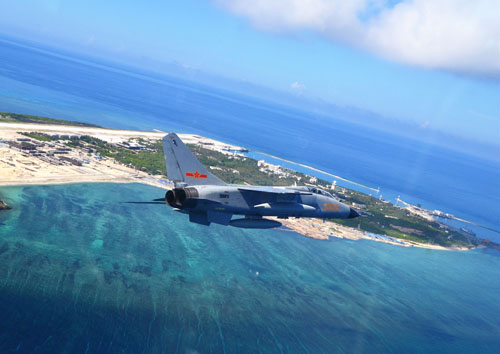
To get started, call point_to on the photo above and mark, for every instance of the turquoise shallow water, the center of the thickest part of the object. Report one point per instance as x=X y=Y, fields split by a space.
x=82 y=272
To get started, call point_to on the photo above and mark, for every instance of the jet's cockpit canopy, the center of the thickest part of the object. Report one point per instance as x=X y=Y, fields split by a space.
x=320 y=192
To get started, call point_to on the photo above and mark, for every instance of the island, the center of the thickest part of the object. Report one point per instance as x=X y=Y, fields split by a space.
x=39 y=150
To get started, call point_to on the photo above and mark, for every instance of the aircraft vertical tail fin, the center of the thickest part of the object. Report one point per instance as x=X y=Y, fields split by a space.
x=183 y=166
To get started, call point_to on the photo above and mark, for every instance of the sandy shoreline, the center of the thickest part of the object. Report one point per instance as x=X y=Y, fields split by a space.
x=323 y=230
x=19 y=168
x=109 y=135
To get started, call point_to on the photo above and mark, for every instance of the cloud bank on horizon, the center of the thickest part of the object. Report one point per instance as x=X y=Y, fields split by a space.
x=460 y=36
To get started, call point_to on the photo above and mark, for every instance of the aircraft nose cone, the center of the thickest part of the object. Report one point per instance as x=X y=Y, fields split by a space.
x=353 y=214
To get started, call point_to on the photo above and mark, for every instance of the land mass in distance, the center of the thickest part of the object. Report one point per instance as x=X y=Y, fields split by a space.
x=39 y=150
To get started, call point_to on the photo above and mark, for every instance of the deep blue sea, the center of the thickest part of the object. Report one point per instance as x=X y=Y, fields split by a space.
x=81 y=272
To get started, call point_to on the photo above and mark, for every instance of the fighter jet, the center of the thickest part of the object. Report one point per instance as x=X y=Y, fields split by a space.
x=207 y=199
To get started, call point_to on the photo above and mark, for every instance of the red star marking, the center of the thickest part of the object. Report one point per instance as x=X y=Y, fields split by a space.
x=196 y=175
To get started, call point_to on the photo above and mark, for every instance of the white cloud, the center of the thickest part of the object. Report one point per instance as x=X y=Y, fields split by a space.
x=297 y=87
x=454 y=35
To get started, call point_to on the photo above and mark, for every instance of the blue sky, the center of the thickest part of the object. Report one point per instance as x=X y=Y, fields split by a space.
x=308 y=55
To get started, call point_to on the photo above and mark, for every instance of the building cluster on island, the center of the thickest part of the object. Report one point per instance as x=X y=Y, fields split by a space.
x=276 y=170
x=424 y=213
x=53 y=152
x=224 y=148
x=281 y=172
x=56 y=151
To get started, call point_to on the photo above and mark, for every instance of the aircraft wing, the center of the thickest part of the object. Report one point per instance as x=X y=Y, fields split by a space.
x=275 y=194
x=273 y=190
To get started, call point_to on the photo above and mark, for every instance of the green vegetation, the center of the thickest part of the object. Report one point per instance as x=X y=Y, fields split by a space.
x=37 y=136
x=150 y=160
x=386 y=219
x=25 y=118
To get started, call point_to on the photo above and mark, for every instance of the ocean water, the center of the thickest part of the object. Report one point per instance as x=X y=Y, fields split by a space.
x=82 y=272
x=36 y=81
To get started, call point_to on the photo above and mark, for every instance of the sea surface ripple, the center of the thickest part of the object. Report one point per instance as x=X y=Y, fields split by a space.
x=82 y=272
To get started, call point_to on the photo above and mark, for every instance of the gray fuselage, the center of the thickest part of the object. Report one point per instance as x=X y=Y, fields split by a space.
x=253 y=201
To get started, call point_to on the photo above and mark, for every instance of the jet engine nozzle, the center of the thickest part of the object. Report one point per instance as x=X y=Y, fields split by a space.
x=178 y=197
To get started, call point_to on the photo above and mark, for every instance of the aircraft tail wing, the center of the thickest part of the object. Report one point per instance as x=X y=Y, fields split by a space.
x=183 y=166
